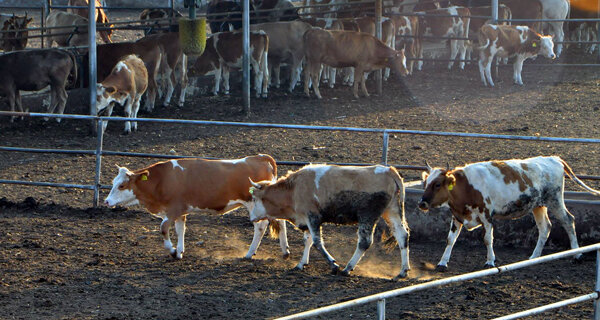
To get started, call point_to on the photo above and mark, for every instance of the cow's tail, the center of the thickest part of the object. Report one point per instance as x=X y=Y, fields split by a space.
x=274 y=229
x=573 y=177
x=74 y=67
x=388 y=239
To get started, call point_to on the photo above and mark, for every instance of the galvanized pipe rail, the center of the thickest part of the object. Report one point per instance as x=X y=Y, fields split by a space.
x=380 y=298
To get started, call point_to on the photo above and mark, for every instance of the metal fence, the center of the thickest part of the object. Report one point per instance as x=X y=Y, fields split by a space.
x=380 y=298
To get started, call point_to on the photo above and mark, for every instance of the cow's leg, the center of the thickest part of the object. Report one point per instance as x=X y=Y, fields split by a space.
x=218 y=73
x=183 y=80
x=169 y=77
x=362 y=77
x=315 y=79
x=295 y=74
x=488 y=239
x=283 y=242
x=332 y=75
x=455 y=227
x=567 y=221
x=314 y=226
x=394 y=218
x=276 y=72
x=307 y=77
x=151 y=92
x=264 y=67
x=365 y=240
x=488 y=70
x=109 y=110
x=53 y=101
x=62 y=100
x=517 y=69
x=11 y=102
x=453 y=52
x=165 y=228
x=544 y=225
x=128 y=113
x=180 y=230
x=225 y=71
x=259 y=231
x=136 y=108
x=308 y=243
x=462 y=47
x=481 y=63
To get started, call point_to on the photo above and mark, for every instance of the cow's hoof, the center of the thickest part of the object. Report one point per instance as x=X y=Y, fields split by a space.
x=345 y=273
x=441 y=268
x=298 y=268
x=173 y=254
x=335 y=269
x=247 y=257
x=178 y=256
x=578 y=259
x=286 y=255
x=488 y=266
x=401 y=275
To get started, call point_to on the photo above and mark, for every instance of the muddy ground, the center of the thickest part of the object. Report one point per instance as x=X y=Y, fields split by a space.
x=62 y=259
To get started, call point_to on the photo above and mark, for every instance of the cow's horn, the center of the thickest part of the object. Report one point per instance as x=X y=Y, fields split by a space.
x=429 y=168
x=256 y=185
x=447 y=166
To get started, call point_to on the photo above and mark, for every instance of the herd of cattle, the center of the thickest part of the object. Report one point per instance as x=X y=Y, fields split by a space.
x=317 y=194
x=323 y=44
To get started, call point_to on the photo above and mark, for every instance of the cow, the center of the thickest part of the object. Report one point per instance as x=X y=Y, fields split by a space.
x=33 y=71
x=556 y=10
x=480 y=192
x=431 y=24
x=407 y=31
x=174 y=61
x=125 y=85
x=340 y=49
x=285 y=46
x=485 y=11
x=74 y=33
x=155 y=21
x=279 y=10
x=109 y=54
x=507 y=41
x=583 y=31
x=17 y=38
x=101 y=17
x=226 y=15
x=172 y=189
x=318 y=194
x=530 y=10
x=224 y=51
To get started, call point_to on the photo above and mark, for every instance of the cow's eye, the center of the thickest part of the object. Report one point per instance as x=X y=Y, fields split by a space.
x=437 y=185
x=121 y=187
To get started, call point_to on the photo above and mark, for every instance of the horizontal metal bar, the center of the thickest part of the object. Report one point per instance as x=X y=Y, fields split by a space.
x=21 y=7
x=47 y=184
x=106 y=8
x=440 y=282
x=58 y=151
x=551 y=20
x=552 y=306
x=304 y=127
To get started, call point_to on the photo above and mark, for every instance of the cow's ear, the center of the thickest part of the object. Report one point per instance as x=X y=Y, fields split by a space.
x=400 y=52
x=535 y=43
x=142 y=176
x=111 y=89
x=424 y=175
x=28 y=21
x=450 y=180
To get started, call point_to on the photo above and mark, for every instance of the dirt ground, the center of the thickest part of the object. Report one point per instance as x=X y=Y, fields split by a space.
x=62 y=259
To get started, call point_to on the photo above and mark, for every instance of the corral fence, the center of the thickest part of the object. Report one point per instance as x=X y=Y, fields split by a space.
x=380 y=298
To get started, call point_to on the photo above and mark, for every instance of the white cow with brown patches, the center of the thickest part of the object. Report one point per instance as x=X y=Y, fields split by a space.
x=508 y=41
x=172 y=189
x=319 y=194
x=125 y=85
x=480 y=192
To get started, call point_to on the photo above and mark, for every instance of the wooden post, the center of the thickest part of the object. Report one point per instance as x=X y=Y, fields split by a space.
x=378 y=34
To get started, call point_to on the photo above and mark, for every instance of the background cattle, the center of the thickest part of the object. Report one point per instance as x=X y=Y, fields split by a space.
x=157 y=21
x=282 y=10
x=17 y=39
x=101 y=17
x=33 y=71
x=74 y=33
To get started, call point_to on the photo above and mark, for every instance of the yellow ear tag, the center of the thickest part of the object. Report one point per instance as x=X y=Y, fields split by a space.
x=534 y=45
x=251 y=190
x=144 y=177
x=450 y=187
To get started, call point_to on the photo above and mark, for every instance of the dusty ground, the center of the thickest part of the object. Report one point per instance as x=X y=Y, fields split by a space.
x=59 y=258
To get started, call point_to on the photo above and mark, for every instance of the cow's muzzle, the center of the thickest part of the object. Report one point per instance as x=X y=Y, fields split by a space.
x=424 y=205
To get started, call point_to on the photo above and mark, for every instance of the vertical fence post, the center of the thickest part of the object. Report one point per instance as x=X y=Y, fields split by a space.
x=597 y=288
x=381 y=309
x=378 y=34
x=384 y=151
x=495 y=21
x=43 y=22
x=246 y=56
x=99 y=141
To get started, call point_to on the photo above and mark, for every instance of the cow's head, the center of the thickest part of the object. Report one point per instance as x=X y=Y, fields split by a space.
x=545 y=46
x=260 y=208
x=105 y=95
x=437 y=183
x=16 y=40
x=122 y=192
x=398 y=63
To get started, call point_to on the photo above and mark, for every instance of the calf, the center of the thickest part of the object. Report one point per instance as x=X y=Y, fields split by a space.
x=174 y=61
x=172 y=189
x=340 y=49
x=485 y=11
x=224 y=51
x=74 y=33
x=285 y=45
x=508 y=41
x=17 y=39
x=124 y=85
x=510 y=189
x=33 y=71
x=101 y=17
x=319 y=194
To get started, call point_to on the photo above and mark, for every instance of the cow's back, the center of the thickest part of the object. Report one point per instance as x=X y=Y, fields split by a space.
x=33 y=70
x=526 y=9
x=284 y=36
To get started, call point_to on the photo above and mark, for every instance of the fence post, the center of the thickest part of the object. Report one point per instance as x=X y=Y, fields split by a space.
x=43 y=22
x=378 y=34
x=384 y=151
x=246 y=56
x=92 y=58
x=381 y=309
x=99 y=142
x=495 y=21
x=597 y=288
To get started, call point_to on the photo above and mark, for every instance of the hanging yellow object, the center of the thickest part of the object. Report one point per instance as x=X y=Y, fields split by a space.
x=192 y=35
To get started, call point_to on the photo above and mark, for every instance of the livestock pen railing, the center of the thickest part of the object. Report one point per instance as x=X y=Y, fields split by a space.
x=380 y=298
x=98 y=152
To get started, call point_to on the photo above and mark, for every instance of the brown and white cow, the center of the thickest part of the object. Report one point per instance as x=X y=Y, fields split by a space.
x=159 y=21
x=74 y=33
x=17 y=39
x=530 y=10
x=224 y=51
x=508 y=41
x=125 y=85
x=285 y=46
x=407 y=31
x=173 y=67
x=101 y=17
x=318 y=194
x=33 y=71
x=581 y=31
x=482 y=191
x=434 y=24
x=485 y=11
x=340 y=49
x=172 y=189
